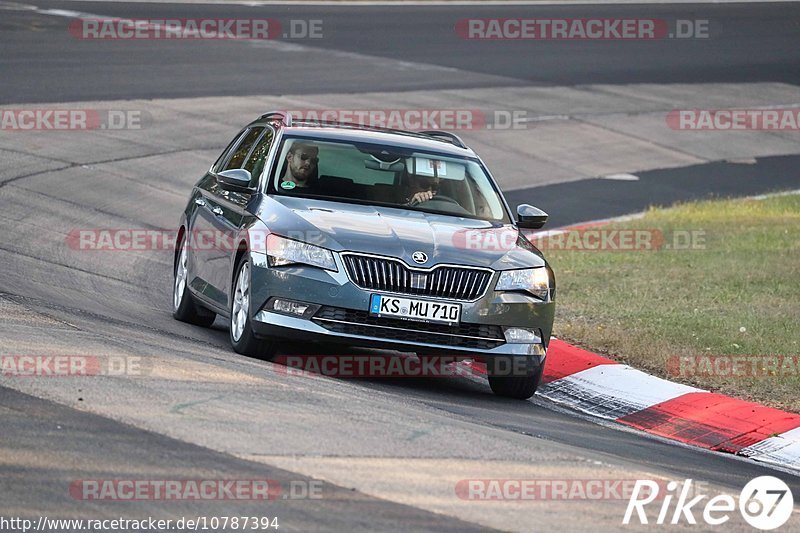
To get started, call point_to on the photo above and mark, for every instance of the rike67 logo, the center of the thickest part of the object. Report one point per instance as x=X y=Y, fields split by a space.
x=765 y=503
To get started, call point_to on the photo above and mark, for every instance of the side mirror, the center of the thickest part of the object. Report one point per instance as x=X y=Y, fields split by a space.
x=530 y=217
x=237 y=179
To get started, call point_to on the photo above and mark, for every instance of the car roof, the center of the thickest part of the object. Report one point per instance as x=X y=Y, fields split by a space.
x=440 y=142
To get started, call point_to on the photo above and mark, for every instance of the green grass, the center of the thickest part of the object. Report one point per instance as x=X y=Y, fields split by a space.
x=641 y=307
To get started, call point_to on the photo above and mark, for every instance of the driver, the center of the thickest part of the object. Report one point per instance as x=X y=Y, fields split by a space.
x=302 y=160
x=420 y=189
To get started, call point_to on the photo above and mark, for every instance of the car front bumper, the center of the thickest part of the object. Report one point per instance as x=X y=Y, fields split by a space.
x=338 y=312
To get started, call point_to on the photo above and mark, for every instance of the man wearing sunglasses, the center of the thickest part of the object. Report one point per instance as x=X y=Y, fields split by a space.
x=301 y=168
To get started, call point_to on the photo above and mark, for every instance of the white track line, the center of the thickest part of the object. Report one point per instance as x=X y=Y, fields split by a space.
x=612 y=391
x=782 y=450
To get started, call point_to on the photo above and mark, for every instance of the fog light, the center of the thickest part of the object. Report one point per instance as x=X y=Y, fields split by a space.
x=522 y=336
x=288 y=307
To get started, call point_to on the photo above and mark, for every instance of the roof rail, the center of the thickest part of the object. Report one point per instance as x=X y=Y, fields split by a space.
x=354 y=125
x=285 y=118
x=451 y=137
x=439 y=135
x=336 y=123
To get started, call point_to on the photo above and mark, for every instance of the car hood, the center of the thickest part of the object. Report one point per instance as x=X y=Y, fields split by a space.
x=397 y=232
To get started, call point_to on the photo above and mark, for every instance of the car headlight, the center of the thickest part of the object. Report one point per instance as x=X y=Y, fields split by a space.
x=282 y=251
x=533 y=280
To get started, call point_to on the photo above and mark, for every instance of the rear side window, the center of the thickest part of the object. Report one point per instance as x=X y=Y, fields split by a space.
x=241 y=151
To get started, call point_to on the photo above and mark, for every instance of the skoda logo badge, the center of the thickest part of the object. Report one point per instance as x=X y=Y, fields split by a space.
x=419 y=257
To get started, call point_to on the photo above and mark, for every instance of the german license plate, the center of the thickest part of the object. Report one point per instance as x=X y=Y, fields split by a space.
x=412 y=309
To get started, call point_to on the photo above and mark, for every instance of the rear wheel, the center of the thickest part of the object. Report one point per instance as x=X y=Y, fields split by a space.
x=242 y=337
x=184 y=307
x=520 y=387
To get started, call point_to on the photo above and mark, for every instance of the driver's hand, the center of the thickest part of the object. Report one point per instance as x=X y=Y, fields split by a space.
x=422 y=196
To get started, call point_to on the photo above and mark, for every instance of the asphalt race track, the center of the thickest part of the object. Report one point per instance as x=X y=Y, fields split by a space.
x=746 y=44
x=383 y=453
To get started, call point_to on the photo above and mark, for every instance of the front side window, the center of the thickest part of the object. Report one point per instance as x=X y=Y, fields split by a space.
x=386 y=175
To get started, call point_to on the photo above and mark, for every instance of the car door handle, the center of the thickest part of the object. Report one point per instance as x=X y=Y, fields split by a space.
x=200 y=202
x=217 y=210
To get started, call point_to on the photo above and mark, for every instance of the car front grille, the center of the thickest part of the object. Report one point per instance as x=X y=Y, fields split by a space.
x=391 y=275
x=349 y=322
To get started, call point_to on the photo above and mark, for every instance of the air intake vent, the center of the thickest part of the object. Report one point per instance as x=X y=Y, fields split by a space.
x=391 y=275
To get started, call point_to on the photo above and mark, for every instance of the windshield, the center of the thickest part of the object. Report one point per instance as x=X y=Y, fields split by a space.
x=386 y=175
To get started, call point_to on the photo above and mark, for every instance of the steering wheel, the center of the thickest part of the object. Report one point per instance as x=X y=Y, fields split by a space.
x=445 y=198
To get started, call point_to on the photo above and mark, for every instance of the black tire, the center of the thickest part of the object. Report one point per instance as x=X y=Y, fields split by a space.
x=247 y=343
x=517 y=387
x=184 y=308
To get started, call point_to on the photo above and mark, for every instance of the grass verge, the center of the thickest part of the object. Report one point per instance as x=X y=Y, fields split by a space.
x=716 y=305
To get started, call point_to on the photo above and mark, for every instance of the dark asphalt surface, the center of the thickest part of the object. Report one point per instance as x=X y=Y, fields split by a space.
x=127 y=449
x=91 y=447
x=43 y=62
x=598 y=198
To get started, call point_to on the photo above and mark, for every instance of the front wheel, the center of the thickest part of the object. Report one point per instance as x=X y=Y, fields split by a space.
x=519 y=387
x=183 y=306
x=242 y=337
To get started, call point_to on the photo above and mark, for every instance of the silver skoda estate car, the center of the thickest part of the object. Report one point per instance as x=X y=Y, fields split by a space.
x=364 y=236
